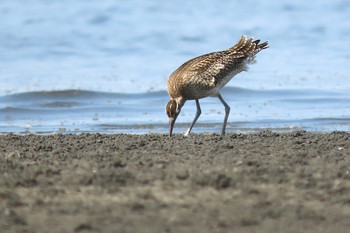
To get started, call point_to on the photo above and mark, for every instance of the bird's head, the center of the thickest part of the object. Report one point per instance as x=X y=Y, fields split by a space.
x=172 y=109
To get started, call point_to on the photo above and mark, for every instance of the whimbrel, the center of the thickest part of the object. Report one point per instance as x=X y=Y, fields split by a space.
x=205 y=75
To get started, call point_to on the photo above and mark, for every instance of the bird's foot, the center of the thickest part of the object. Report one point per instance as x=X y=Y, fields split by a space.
x=187 y=133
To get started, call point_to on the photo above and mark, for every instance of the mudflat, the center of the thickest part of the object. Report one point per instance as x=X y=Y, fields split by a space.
x=264 y=182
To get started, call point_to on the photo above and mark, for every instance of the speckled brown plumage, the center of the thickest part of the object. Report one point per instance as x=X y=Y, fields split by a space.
x=205 y=75
x=198 y=77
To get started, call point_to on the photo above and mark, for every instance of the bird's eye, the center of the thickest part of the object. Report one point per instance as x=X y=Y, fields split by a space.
x=171 y=108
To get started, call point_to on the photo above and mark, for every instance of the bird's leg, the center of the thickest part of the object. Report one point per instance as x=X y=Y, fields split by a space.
x=227 y=112
x=198 y=113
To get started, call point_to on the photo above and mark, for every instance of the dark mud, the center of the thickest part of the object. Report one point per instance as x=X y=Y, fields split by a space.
x=265 y=182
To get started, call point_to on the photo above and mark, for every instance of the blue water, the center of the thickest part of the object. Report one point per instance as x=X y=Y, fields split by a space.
x=102 y=66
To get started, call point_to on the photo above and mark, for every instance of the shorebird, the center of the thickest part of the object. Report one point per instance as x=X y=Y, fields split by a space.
x=205 y=75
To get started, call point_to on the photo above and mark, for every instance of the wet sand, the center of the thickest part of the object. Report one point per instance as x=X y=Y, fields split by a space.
x=265 y=182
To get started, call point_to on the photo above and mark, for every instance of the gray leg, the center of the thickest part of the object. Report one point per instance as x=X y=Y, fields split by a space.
x=199 y=111
x=227 y=112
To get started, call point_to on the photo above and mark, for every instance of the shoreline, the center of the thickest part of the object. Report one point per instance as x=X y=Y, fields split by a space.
x=245 y=182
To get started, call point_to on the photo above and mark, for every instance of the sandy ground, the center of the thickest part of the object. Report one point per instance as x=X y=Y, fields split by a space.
x=265 y=182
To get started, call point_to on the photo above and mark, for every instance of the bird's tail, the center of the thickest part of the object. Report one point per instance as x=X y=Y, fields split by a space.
x=260 y=46
x=248 y=47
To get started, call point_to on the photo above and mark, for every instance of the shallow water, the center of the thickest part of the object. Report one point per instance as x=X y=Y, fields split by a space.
x=251 y=111
x=88 y=66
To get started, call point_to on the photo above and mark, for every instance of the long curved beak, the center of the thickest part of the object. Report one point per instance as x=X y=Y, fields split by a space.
x=171 y=125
